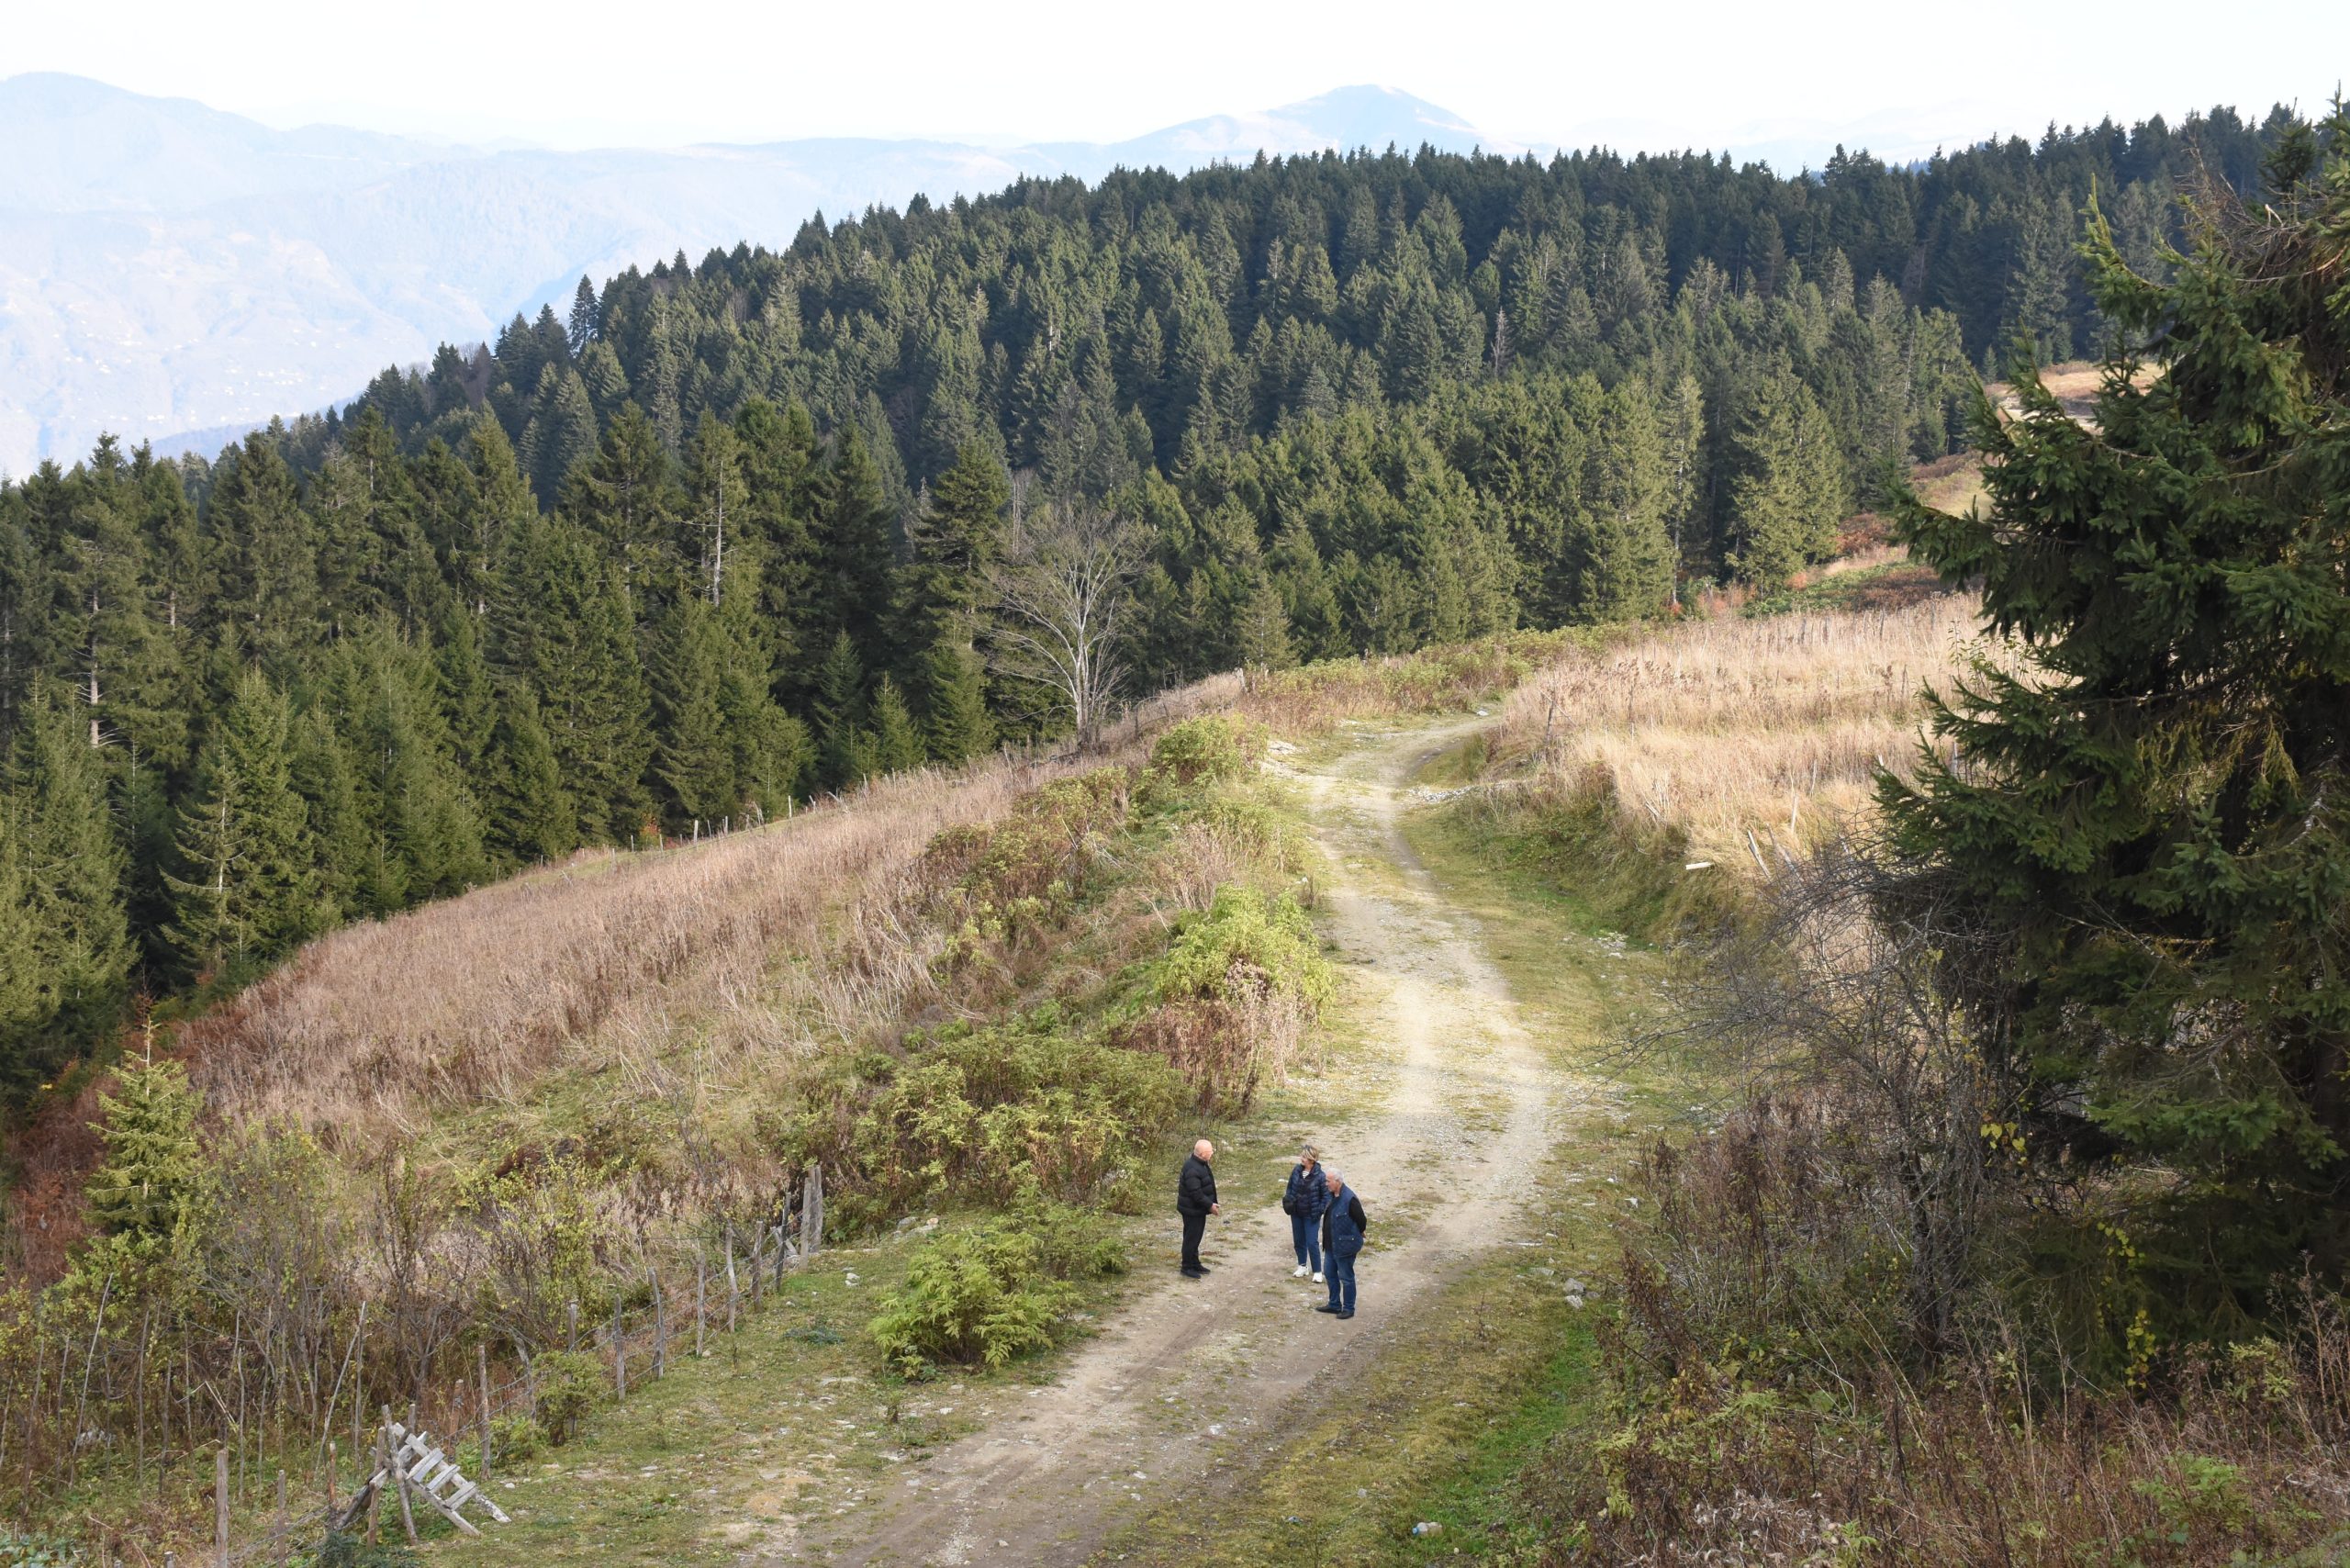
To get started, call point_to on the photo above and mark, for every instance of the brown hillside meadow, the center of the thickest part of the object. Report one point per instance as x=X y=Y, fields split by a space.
x=1729 y=727
x=609 y=961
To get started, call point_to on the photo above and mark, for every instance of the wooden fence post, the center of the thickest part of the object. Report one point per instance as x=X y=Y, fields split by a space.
x=571 y=1325
x=660 y=1331
x=220 y=1502
x=400 y=1477
x=282 y=1523
x=812 y=1213
x=702 y=1299
x=619 y=1355
x=481 y=1361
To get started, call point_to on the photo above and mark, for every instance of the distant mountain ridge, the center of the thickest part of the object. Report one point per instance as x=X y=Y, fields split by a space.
x=167 y=268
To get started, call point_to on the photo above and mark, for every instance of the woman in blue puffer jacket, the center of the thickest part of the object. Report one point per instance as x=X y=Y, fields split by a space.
x=1308 y=1196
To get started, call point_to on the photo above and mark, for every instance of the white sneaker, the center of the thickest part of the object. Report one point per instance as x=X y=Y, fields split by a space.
x=1317 y=1279
x=1299 y=1273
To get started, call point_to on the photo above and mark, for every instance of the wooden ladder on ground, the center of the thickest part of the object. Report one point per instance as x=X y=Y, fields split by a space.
x=429 y=1474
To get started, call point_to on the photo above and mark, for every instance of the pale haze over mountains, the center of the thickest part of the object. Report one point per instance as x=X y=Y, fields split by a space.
x=176 y=274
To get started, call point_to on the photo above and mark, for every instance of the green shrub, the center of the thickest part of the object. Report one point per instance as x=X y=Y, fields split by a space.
x=565 y=1385
x=1244 y=941
x=996 y=1292
x=1229 y=1004
x=1018 y=1106
x=1206 y=750
x=516 y=1439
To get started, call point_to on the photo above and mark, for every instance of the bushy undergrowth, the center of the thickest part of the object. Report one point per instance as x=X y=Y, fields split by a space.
x=997 y=1291
x=986 y=1113
x=566 y=1384
x=1763 y=1412
x=1212 y=749
x=1011 y=881
x=1230 y=1002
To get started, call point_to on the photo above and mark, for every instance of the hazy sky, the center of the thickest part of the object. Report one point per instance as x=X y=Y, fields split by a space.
x=1682 y=72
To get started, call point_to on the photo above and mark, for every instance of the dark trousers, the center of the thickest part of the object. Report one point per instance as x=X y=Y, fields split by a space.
x=1306 y=1234
x=1341 y=1266
x=1194 y=1227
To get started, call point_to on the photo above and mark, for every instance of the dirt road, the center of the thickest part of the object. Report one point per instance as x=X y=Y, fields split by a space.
x=1450 y=1109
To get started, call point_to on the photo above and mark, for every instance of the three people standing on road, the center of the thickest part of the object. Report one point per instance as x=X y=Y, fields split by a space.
x=1195 y=1200
x=1303 y=1202
x=1325 y=1219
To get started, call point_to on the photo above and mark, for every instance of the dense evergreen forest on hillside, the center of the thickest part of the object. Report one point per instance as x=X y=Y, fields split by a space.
x=730 y=532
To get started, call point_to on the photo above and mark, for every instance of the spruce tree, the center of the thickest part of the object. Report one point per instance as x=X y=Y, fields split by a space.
x=626 y=496
x=956 y=725
x=954 y=542
x=146 y=1184
x=74 y=860
x=270 y=607
x=28 y=991
x=575 y=643
x=2142 y=818
x=896 y=745
x=247 y=886
x=67 y=927
x=1791 y=492
x=771 y=749
x=1260 y=635
x=842 y=755
x=528 y=814
x=581 y=329
x=692 y=755
x=854 y=582
x=127 y=670
x=344 y=840
x=1623 y=560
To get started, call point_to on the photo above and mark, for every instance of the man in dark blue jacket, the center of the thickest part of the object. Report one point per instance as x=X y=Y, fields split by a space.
x=1195 y=1200
x=1343 y=1225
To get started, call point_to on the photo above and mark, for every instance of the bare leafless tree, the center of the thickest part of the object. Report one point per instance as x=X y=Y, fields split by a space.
x=1062 y=585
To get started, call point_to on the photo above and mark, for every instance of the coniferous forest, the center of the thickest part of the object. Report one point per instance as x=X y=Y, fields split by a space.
x=729 y=532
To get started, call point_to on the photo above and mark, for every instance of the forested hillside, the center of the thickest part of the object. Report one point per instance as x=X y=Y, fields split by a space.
x=745 y=529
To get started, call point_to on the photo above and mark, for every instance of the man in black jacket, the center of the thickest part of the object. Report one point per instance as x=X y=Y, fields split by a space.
x=1195 y=1200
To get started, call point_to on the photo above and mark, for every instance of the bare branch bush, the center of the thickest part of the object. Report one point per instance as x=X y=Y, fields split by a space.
x=1830 y=1005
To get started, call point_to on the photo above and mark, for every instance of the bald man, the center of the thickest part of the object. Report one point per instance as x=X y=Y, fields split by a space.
x=1195 y=1200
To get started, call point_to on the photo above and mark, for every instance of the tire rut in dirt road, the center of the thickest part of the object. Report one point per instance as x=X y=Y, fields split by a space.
x=1192 y=1380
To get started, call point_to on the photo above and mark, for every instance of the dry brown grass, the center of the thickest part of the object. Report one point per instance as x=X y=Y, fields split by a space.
x=1731 y=727
x=730 y=956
